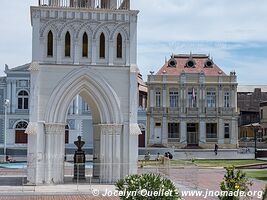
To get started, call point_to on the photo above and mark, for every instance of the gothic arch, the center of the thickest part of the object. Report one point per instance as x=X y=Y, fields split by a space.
x=85 y=27
x=102 y=28
x=51 y=25
x=103 y=100
x=120 y=29
x=68 y=26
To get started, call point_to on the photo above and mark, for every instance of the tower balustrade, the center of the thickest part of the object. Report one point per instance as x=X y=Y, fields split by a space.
x=90 y=4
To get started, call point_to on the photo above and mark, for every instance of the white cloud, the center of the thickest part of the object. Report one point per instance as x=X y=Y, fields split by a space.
x=165 y=26
x=239 y=20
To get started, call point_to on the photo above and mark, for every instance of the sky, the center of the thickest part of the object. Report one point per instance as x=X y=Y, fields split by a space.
x=234 y=33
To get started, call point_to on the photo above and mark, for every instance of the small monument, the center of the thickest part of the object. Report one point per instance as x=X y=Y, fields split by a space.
x=79 y=160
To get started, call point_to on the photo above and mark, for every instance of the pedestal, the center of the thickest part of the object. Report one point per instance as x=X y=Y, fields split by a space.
x=79 y=165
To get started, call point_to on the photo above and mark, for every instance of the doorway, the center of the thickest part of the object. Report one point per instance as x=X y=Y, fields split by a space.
x=192 y=134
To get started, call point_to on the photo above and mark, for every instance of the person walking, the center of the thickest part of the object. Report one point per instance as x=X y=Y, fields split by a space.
x=216 y=149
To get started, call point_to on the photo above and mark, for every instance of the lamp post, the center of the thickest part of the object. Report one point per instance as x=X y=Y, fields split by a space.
x=6 y=106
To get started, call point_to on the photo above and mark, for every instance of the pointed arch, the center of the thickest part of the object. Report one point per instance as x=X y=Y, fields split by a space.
x=85 y=45
x=50 y=43
x=102 y=49
x=119 y=46
x=94 y=89
x=67 y=44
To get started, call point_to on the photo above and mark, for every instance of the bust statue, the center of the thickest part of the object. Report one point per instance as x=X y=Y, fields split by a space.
x=79 y=143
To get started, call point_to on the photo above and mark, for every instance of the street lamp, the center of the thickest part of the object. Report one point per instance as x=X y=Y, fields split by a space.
x=6 y=106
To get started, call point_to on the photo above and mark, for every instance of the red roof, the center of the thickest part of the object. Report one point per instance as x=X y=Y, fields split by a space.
x=181 y=65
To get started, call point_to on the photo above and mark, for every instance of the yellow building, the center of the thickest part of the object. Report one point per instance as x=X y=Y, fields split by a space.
x=192 y=102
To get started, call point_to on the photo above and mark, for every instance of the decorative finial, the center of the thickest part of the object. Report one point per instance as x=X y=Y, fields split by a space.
x=190 y=56
x=6 y=68
x=151 y=72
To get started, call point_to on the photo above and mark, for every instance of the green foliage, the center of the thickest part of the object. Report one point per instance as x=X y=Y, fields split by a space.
x=146 y=187
x=234 y=181
x=264 y=197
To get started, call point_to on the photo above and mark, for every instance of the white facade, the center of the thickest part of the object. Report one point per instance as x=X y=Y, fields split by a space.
x=108 y=85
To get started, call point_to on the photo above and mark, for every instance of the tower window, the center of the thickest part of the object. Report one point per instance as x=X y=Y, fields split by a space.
x=102 y=46
x=23 y=100
x=50 y=44
x=67 y=44
x=119 y=46
x=85 y=45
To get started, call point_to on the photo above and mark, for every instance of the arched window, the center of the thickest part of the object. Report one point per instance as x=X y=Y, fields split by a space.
x=67 y=134
x=50 y=44
x=119 y=46
x=67 y=44
x=23 y=100
x=21 y=137
x=85 y=45
x=102 y=46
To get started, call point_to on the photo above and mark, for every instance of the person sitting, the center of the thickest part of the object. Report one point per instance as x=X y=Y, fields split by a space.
x=170 y=156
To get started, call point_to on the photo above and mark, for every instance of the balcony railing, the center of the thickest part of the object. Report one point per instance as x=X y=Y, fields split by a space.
x=173 y=110
x=211 y=111
x=192 y=111
x=90 y=4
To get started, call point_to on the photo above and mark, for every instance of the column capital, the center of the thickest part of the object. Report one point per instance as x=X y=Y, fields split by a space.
x=111 y=129
x=54 y=128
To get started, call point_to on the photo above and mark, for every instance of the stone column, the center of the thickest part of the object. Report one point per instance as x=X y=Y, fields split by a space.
x=221 y=131
x=183 y=132
x=133 y=148
x=151 y=97
x=127 y=52
x=181 y=104
x=14 y=97
x=77 y=51
x=185 y=99
x=8 y=95
x=110 y=152
x=54 y=153
x=76 y=105
x=220 y=97
x=202 y=131
x=164 y=132
x=234 y=133
x=94 y=51
x=111 y=52
x=36 y=153
x=151 y=129
x=59 y=52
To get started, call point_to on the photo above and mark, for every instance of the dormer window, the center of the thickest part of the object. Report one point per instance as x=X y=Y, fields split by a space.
x=190 y=64
x=209 y=63
x=172 y=63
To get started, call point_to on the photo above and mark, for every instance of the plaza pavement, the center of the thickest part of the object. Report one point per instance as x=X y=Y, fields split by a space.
x=185 y=178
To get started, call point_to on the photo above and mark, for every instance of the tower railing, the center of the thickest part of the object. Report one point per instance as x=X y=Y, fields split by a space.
x=90 y=4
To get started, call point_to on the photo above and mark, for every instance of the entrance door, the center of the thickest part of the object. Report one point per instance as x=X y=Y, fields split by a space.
x=142 y=139
x=158 y=134
x=192 y=134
